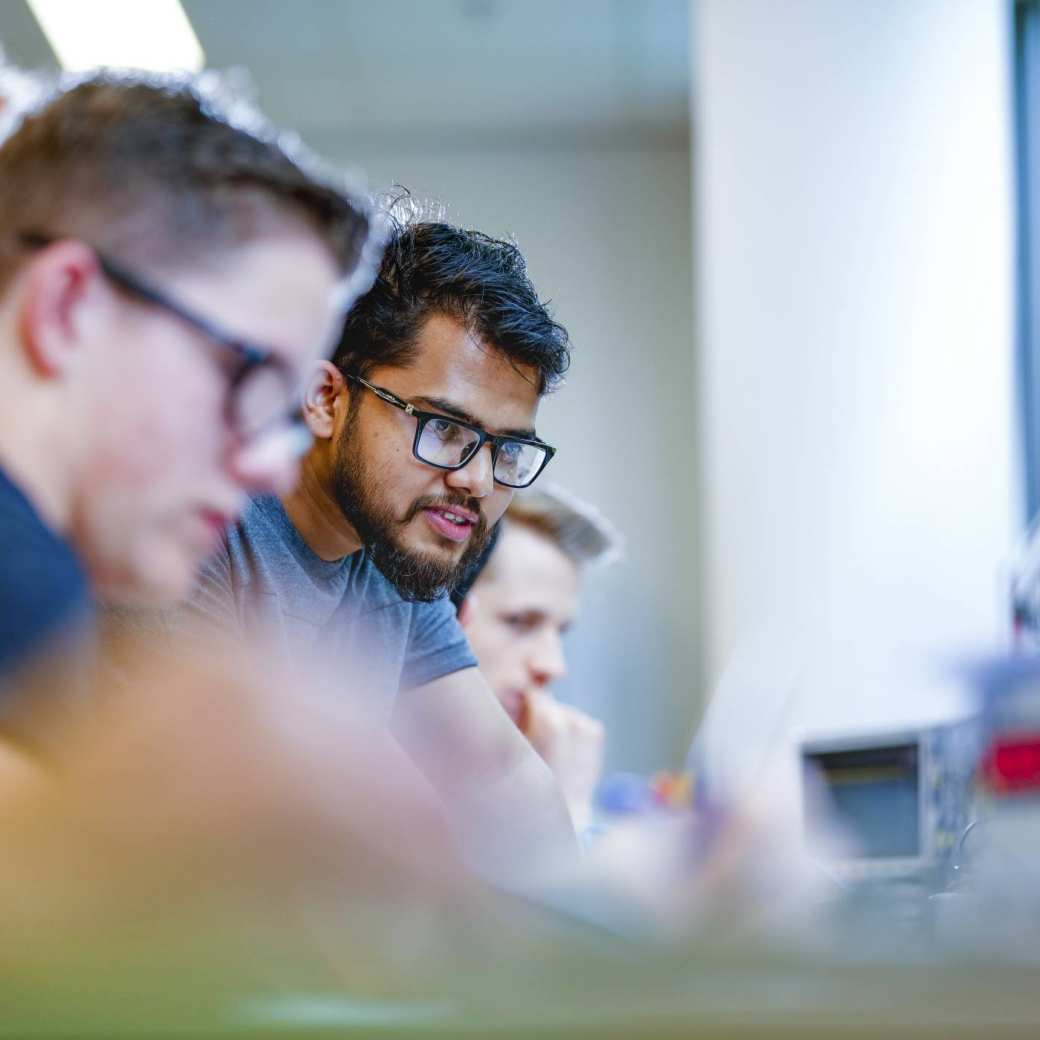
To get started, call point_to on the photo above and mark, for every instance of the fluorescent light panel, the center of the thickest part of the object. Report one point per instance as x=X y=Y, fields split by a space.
x=140 y=34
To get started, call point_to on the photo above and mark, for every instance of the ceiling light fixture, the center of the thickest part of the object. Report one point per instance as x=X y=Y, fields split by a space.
x=141 y=34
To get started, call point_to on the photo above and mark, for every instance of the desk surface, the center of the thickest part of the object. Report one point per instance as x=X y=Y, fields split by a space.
x=604 y=994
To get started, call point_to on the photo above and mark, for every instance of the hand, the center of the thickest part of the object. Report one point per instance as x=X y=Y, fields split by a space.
x=570 y=742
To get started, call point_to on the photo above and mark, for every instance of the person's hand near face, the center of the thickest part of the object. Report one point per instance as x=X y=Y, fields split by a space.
x=571 y=743
x=515 y=619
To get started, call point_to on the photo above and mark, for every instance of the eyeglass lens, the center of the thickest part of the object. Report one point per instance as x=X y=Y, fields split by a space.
x=444 y=443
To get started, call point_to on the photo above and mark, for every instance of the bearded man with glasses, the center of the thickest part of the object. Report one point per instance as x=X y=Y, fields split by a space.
x=424 y=426
x=167 y=279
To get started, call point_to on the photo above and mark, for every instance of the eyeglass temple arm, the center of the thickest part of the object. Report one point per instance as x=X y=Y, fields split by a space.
x=141 y=289
x=147 y=292
x=385 y=395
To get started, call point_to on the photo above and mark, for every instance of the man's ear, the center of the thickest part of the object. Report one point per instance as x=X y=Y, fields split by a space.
x=51 y=317
x=323 y=390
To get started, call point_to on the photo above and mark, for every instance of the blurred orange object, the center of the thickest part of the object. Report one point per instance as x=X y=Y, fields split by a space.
x=672 y=790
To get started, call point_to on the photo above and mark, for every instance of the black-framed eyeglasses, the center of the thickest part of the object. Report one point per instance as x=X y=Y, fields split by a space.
x=450 y=443
x=263 y=388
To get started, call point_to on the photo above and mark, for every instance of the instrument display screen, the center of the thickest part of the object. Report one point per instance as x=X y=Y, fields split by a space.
x=874 y=796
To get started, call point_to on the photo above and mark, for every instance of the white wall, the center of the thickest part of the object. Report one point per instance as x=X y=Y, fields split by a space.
x=605 y=226
x=854 y=258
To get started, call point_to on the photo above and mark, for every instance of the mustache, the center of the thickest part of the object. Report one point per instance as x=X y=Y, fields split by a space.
x=471 y=505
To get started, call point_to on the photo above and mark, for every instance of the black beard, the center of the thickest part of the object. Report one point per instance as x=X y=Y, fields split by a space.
x=415 y=576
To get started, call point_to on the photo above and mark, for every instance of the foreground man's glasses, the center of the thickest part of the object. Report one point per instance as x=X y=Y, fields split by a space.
x=451 y=443
x=262 y=393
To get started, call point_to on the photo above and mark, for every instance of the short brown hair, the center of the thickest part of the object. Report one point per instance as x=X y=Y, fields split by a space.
x=576 y=528
x=147 y=169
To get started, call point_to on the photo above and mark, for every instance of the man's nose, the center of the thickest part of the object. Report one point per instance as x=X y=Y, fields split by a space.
x=476 y=477
x=547 y=662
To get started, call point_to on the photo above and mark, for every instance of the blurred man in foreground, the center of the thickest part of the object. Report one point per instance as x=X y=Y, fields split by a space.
x=166 y=279
x=424 y=425
x=515 y=614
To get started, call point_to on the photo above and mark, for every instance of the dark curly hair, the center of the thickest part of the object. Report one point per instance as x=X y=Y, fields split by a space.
x=433 y=268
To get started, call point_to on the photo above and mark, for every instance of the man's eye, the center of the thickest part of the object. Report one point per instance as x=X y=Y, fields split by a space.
x=523 y=623
x=444 y=431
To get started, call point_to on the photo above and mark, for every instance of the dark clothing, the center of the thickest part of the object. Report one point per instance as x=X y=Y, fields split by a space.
x=43 y=590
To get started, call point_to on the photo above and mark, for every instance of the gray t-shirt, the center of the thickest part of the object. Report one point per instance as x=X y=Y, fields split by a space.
x=266 y=579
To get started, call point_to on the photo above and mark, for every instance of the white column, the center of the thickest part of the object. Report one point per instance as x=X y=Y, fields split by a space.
x=854 y=268
x=853 y=179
